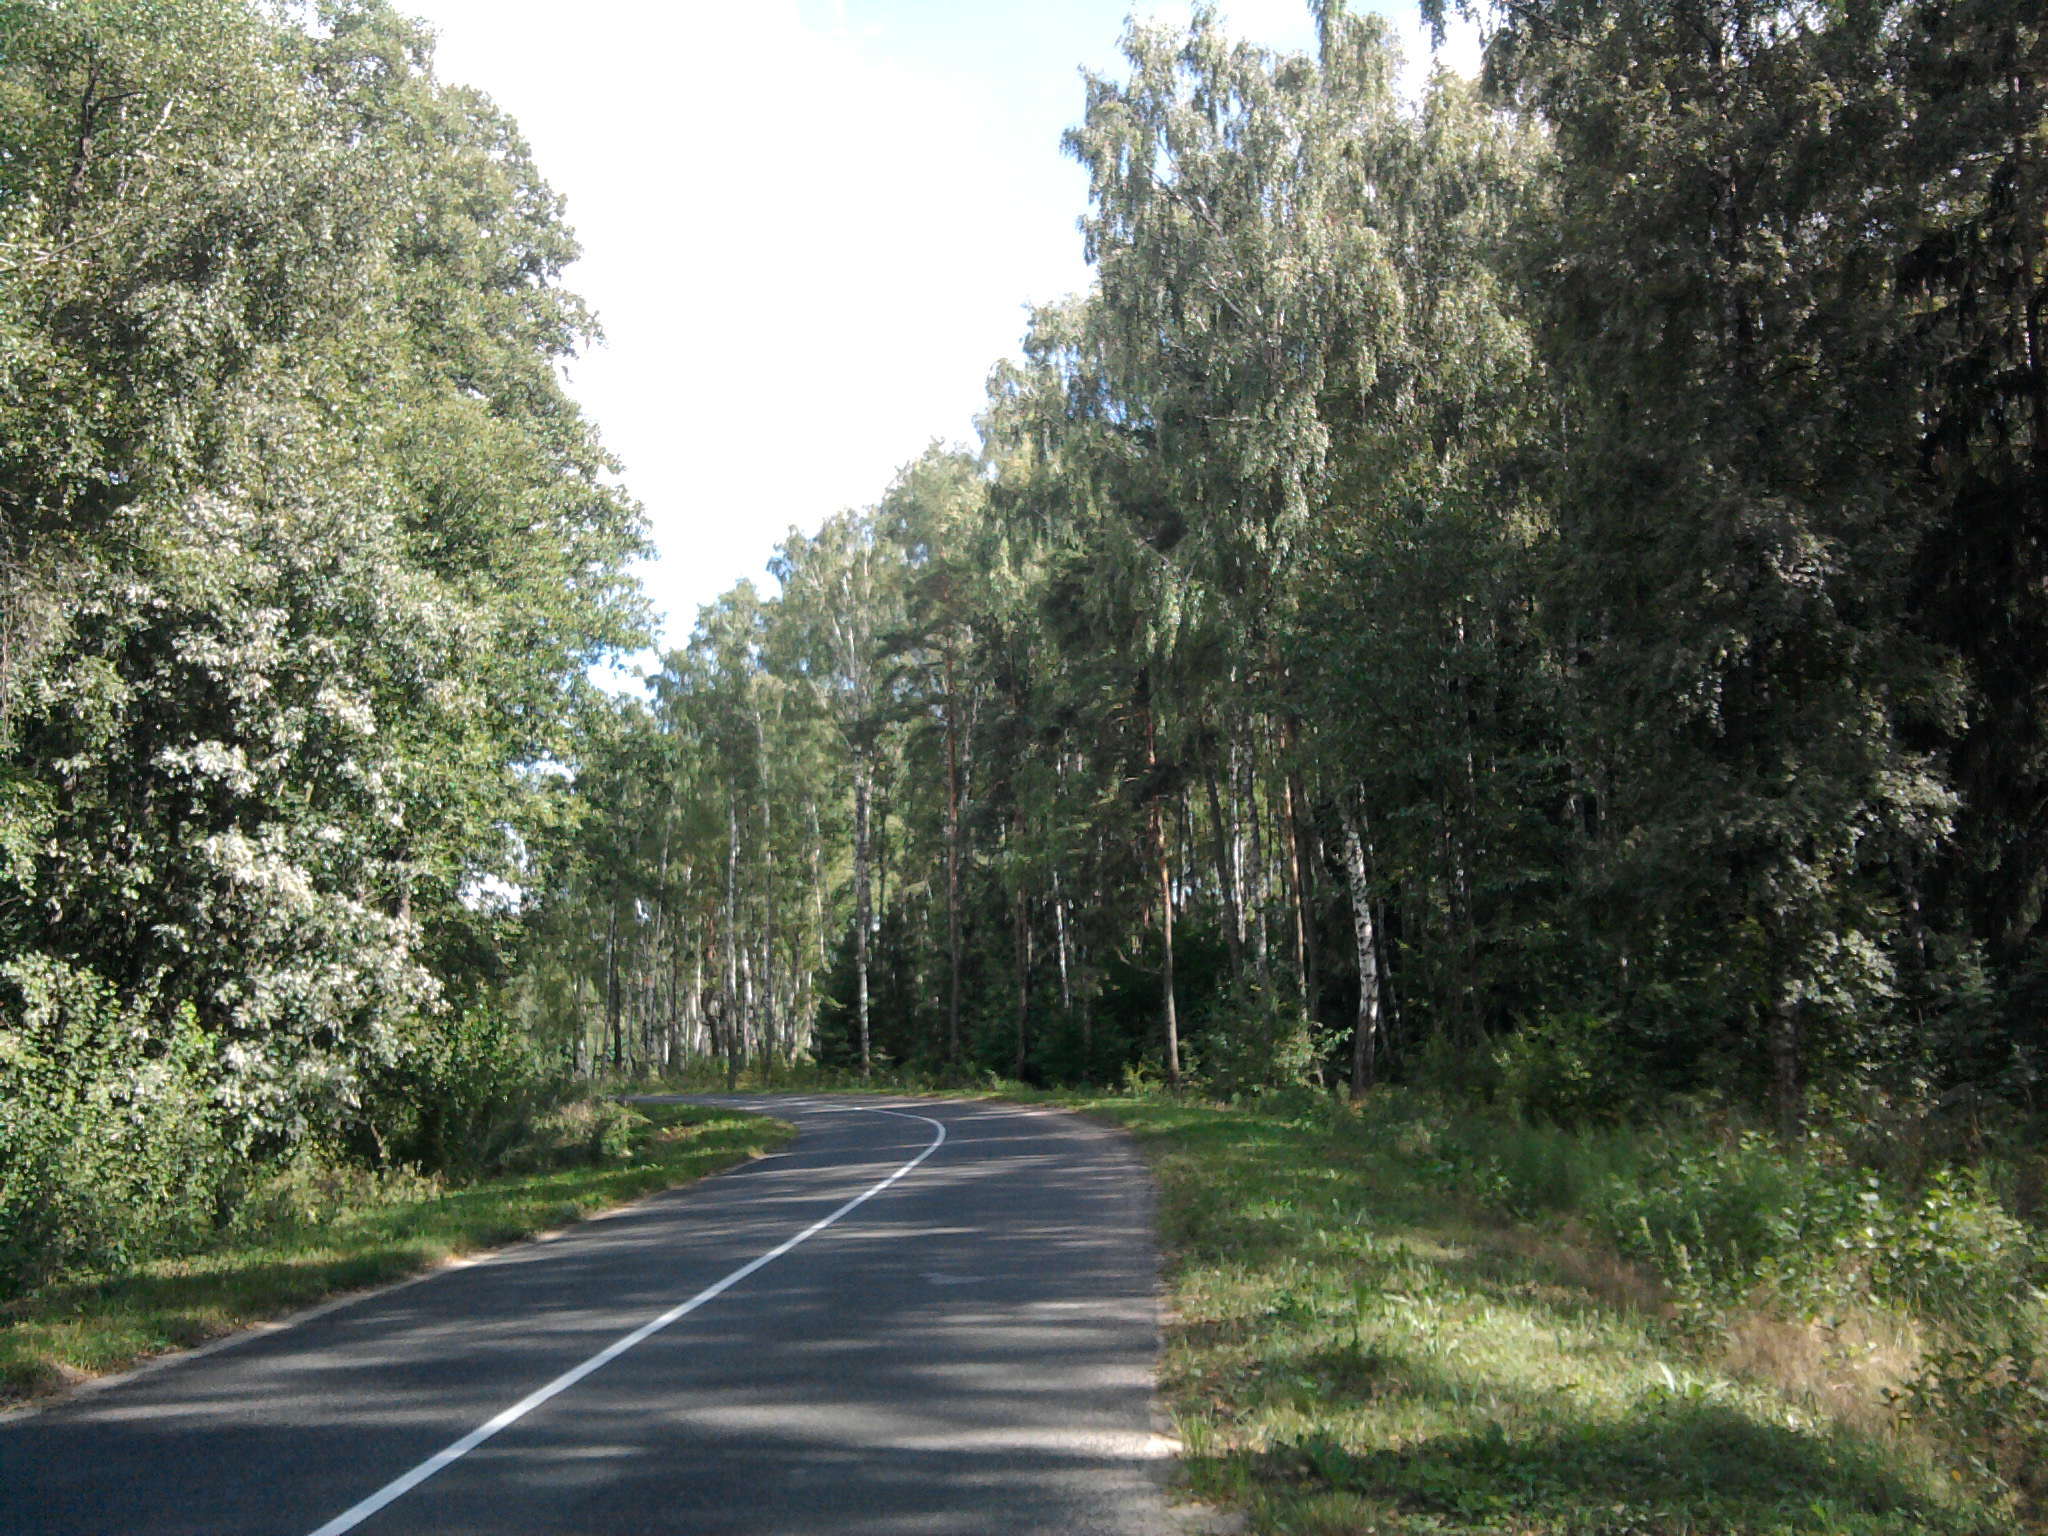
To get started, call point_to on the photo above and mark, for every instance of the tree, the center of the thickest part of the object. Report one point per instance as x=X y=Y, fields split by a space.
x=927 y=516
x=277 y=357
x=1734 y=531
x=838 y=597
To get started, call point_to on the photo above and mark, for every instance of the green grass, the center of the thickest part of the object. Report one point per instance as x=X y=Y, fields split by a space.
x=72 y=1330
x=1357 y=1348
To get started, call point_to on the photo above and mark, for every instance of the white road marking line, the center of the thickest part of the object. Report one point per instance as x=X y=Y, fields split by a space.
x=398 y=1487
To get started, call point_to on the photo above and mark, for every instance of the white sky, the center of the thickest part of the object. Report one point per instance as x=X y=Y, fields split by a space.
x=809 y=227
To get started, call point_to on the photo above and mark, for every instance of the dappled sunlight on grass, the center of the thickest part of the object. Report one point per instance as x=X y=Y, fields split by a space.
x=1357 y=1347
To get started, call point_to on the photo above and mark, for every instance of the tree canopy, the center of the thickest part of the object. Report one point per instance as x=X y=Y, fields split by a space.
x=1516 y=565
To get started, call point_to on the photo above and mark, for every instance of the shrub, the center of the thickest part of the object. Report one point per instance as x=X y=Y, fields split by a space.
x=1529 y=1169
x=110 y=1147
x=463 y=1094
x=1711 y=1217
x=578 y=1132
x=1566 y=1069
x=1955 y=1255
x=1731 y=1222
x=1252 y=1039
x=310 y=1189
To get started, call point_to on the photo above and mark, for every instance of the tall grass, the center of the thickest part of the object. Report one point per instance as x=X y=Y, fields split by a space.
x=1363 y=1339
x=1737 y=1228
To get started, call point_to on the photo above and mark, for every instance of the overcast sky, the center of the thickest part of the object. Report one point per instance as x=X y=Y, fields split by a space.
x=809 y=228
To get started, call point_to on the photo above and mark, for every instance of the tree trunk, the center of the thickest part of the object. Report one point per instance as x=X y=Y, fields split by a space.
x=1785 y=1064
x=1262 y=965
x=733 y=1043
x=862 y=913
x=1059 y=911
x=1299 y=880
x=583 y=1067
x=771 y=1024
x=743 y=1037
x=697 y=1036
x=1226 y=876
x=1022 y=925
x=1171 y=1017
x=613 y=1029
x=1784 y=1042
x=952 y=869
x=1087 y=997
x=672 y=1042
x=1059 y=928
x=1366 y=1032
x=817 y=846
x=880 y=815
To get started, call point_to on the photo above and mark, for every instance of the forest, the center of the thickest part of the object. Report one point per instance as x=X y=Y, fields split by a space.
x=1538 y=589
x=1538 y=593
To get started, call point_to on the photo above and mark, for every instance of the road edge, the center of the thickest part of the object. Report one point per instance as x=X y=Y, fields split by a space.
x=70 y=1393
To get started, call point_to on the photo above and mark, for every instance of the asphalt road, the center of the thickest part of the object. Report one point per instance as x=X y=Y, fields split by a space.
x=969 y=1348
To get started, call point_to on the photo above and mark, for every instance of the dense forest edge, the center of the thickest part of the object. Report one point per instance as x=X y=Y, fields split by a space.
x=1517 y=618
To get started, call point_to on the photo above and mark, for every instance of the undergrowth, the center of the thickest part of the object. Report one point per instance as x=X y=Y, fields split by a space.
x=1408 y=1318
x=1918 y=1297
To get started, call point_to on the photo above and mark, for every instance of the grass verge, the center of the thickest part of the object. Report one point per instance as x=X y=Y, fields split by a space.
x=76 y=1329
x=1357 y=1347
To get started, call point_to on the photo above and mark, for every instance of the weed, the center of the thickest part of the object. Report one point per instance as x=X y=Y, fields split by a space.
x=1360 y=1345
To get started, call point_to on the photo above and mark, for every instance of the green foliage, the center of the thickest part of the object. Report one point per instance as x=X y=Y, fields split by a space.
x=1536 y=584
x=1533 y=1169
x=1497 y=564
x=1984 y=1389
x=1567 y=1069
x=1722 y=1216
x=1353 y=1347
x=1248 y=1041
x=311 y=1189
x=1733 y=1223
x=1956 y=1256
x=304 y=552
x=111 y=1137
x=579 y=1132
x=466 y=1094
x=1718 y=1218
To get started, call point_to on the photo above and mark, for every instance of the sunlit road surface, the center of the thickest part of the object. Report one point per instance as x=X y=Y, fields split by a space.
x=968 y=1348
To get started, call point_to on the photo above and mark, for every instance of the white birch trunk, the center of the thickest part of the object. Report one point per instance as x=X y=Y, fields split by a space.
x=1366 y=1032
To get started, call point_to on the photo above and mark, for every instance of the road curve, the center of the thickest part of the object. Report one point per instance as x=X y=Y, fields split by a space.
x=968 y=1348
